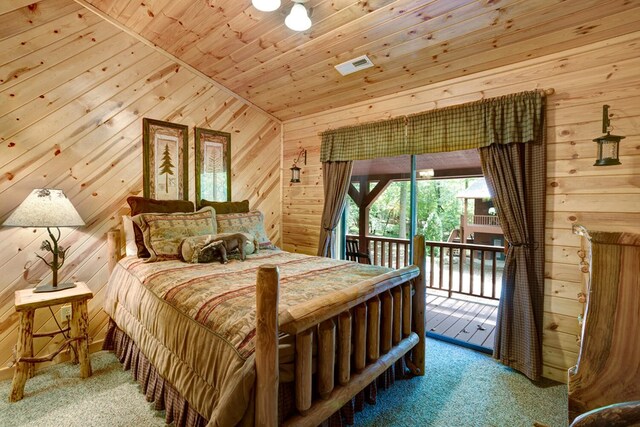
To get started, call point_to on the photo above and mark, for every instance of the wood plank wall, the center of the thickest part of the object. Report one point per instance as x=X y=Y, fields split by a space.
x=606 y=198
x=73 y=92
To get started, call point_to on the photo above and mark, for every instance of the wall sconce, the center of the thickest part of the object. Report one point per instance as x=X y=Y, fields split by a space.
x=608 y=145
x=295 y=170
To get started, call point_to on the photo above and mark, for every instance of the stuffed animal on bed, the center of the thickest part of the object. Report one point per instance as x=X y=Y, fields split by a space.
x=233 y=241
x=208 y=248
x=212 y=251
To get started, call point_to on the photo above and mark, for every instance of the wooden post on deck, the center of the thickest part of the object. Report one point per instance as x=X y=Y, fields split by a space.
x=267 y=369
x=419 y=303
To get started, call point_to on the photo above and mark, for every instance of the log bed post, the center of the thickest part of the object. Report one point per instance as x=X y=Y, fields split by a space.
x=419 y=303
x=267 y=369
x=113 y=249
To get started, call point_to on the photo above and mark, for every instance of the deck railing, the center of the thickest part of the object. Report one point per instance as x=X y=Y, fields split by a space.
x=483 y=220
x=388 y=252
x=474 y=270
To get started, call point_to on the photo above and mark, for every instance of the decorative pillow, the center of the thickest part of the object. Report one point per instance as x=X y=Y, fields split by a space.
x=163 y=233
x=250 y=222
x=140 y=205
x=196 y=249
x=191 y=248
x=227 y=207
x=130 y=248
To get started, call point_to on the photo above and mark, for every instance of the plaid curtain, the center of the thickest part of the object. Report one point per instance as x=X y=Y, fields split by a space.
x=516 y=177
x=510 y=118
x=368 y=141
x=503 y=120
x=336 y=178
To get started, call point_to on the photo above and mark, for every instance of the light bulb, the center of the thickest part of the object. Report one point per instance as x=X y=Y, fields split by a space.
x=298 y=20
x=266 y=5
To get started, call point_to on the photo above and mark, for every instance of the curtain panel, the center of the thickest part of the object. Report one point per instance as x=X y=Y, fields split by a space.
x=511 y=118
x=336 y=178
x=516 y=177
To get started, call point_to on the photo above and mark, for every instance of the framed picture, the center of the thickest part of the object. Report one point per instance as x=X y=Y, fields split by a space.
x=213 y=165
x=165 y=160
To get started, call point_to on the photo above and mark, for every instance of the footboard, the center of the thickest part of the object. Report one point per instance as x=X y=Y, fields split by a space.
x=361 y=332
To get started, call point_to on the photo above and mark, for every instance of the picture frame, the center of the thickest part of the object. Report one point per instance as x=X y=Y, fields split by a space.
x=212 y=165
x=165 y=149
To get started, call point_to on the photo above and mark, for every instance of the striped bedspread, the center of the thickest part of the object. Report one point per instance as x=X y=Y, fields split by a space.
x=197 y=321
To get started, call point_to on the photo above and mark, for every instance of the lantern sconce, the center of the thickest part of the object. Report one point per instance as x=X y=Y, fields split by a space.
x=608 y=145
x=295 y=170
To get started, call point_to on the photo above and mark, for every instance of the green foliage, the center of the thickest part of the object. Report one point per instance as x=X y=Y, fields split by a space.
x=439 y=209
x=433 y=228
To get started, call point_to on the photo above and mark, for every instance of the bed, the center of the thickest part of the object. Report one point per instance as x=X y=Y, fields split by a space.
x=230 y=339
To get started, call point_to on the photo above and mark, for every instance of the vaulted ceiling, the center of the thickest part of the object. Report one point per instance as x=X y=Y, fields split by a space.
x=411 y=42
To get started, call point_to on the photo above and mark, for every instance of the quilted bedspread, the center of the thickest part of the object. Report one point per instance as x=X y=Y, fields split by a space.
x=196 y=322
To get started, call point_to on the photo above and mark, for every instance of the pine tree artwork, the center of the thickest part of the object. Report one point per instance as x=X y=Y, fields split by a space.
x=166 y=168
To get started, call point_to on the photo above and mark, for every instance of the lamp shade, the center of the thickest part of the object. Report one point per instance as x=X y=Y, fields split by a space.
x=266 y=5
x=45 y=207
x=298 y=20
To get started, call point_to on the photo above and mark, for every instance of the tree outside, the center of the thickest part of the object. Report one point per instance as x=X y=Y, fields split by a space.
x=439 y=209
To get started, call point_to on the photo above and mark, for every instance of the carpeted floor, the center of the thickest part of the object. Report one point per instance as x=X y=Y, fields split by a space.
x=461 y=388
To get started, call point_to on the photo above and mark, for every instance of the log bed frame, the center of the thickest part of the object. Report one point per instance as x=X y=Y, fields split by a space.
x=361 y=332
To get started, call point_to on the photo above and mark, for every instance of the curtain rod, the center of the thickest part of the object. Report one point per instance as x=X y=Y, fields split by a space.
x=546 y=92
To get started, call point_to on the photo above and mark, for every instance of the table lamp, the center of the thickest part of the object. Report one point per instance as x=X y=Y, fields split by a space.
x=50 y=208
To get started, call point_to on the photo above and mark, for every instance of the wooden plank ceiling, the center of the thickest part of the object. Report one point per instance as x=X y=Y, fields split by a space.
x=411 y=42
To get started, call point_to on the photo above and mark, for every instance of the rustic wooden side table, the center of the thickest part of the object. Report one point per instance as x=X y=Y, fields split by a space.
x=26 y=303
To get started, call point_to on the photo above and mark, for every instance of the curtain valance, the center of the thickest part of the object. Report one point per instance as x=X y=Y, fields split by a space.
x=512 y=118
x=368 y=141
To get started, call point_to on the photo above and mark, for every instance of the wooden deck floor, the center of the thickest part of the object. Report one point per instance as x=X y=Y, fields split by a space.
x=461 y=320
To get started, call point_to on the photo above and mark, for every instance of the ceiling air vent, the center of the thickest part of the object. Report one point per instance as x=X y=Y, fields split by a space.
x=353 y=65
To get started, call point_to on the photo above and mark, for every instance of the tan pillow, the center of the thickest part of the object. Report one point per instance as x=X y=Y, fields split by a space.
x=163 y=233
x=249 y=222
x=130 y=247
x=141 y=205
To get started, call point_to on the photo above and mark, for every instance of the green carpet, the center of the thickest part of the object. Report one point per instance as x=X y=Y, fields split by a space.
x=461 y=388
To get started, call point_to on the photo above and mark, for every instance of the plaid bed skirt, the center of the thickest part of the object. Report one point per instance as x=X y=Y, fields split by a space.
x=177 y=409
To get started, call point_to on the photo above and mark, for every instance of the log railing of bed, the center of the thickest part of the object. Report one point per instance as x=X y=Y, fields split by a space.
x=361 y=331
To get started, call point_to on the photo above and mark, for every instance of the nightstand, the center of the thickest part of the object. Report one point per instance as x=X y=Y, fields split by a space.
x=26 y=303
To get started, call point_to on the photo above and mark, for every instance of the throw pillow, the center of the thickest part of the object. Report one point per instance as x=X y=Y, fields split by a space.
x=140 y=205
x=163 y=233
x=130 y=248
x=250 y=222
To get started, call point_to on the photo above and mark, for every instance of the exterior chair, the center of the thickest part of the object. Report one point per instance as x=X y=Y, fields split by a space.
x=353 y=252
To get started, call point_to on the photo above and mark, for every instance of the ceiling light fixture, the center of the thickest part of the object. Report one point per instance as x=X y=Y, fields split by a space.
x=266 y=5
x=298 y=18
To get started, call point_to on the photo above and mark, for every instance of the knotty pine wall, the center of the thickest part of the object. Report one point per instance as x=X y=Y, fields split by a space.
x=605 y=198
x=73 y=92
